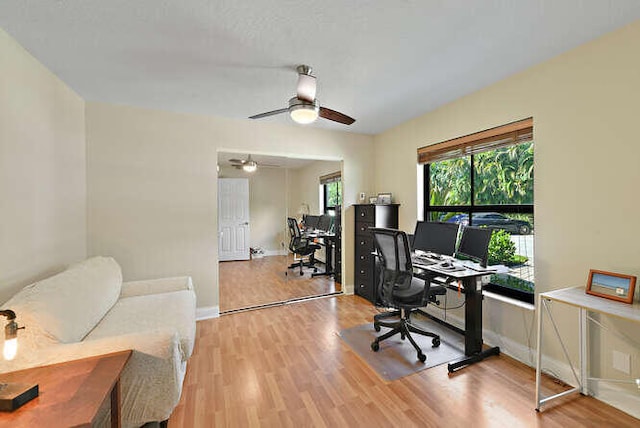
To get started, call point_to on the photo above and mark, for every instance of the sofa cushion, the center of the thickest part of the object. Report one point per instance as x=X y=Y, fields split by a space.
x=174 y=311
x=68 y=305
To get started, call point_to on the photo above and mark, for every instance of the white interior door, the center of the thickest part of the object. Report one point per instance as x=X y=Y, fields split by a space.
x=233 y=219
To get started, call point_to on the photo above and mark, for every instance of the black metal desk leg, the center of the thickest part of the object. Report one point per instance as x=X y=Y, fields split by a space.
x=473 y=327
x=329 y=244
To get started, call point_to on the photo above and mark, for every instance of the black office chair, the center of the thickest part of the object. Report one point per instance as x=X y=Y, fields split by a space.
x=301 y=247
x=399 y=289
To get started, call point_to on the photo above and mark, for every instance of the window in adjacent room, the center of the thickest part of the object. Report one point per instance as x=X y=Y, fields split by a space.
x=486 y=180
x=332 y=192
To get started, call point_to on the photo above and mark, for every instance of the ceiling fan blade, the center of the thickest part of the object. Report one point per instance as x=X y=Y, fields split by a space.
x=306 y=87
x=269 y=113
x=336 y=116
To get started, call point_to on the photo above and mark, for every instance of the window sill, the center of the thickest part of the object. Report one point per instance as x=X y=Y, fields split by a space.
x=508 y=300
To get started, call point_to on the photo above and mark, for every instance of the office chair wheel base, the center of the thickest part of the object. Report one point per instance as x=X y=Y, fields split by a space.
x=375 y=346
x=377 y=328
x=422 y=357
x=402 y=336
x=301 y=273
x=435 y=342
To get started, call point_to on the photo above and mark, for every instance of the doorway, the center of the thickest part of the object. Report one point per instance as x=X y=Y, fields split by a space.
x=234 y=233
x=279 y=187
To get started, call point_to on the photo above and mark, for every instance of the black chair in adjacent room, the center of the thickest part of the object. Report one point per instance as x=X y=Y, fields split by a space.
x=302 y=247
x=399 y=289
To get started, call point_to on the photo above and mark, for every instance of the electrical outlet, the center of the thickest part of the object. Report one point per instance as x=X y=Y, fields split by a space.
x=621 y=361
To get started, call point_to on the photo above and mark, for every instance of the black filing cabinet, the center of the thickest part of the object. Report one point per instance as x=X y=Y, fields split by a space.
x=367 y=216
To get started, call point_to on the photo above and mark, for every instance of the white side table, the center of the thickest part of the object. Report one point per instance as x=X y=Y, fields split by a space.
x=577 y=297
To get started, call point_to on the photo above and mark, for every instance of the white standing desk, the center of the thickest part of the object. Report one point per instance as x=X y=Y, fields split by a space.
x=577 y=297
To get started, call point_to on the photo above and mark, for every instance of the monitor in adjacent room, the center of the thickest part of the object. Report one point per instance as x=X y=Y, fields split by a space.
x=435 y=237
x=324 y=223
x=474 y=244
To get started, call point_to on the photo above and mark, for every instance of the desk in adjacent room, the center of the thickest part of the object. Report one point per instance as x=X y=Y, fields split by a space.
x=329 y=242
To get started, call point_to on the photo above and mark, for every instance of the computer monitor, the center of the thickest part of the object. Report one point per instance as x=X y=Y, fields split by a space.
x=435 y=237
x=474 y=244
x=311 y=222
x=324 y=223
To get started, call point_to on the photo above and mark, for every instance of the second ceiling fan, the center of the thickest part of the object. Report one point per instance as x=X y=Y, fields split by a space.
x=248 y=164
x=304 y=107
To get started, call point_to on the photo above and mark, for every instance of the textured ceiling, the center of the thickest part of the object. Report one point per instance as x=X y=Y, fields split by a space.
x=380 y=61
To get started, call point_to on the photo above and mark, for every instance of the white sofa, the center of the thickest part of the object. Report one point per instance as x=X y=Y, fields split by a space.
x=87 y=310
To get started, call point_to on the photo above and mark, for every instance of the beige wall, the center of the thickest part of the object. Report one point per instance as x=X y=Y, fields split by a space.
x=267 y=206
x=304 y=185
x=152 y=190
x=584 y=105
x=42 y=171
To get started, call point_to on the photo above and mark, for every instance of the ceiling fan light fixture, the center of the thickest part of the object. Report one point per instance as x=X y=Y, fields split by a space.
x=304 y=108
x=250 y=166
x=303 y=112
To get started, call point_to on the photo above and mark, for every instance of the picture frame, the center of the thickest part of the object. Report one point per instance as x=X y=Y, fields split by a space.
x=373 y=200
x=384 y=198
x=611 y=285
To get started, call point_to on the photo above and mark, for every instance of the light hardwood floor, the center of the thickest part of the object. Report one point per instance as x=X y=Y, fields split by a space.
x=263 y=281
x=286 y=366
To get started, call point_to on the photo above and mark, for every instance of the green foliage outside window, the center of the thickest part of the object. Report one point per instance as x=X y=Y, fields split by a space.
x=501 y=176
x=502 y=250
x=513 y=282
x=450 y=182
x=334 y=193
x=504 y=176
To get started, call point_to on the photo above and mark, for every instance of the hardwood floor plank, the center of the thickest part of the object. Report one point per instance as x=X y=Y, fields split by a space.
x=286 y=366
x=263 y=281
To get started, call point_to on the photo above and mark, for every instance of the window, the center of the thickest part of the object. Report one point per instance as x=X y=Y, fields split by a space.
x=332 y=197
x=332 y=192
x=486 y=180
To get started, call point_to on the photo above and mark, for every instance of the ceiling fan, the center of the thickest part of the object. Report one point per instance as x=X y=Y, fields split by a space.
x=248 y=164
x=304 y=108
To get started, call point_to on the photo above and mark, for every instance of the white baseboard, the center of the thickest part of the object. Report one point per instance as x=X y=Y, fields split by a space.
x=347 y=289
x=513 y=349
x=275 y=252
x=207 y=312
x=612 y=394
x=619 y=397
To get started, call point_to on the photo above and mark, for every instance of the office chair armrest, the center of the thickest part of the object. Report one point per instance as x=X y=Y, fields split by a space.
x=438 y=290
x=427 y=293
x=308 y=241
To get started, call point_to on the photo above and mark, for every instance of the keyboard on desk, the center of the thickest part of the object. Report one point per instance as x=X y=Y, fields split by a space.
x=423 y=261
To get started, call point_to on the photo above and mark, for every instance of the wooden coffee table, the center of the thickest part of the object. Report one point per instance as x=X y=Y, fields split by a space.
x=71 y=393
